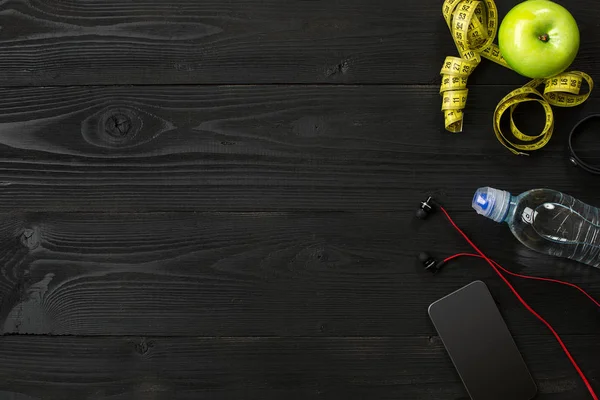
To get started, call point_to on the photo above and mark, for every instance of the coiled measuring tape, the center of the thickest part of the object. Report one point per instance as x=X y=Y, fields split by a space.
x=473 y=24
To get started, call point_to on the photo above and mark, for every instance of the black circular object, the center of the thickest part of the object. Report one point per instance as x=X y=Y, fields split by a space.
x=574 y=158
x=421 y=213
x=424 y=257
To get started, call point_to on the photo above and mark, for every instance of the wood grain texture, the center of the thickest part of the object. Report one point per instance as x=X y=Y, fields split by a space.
x=259 y=274
x=239 y=222
x=258 y=368
x=81 y=42
x=262 y=148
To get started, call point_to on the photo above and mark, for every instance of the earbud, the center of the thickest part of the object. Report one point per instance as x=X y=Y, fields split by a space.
x=430 y=263
x=425 y=208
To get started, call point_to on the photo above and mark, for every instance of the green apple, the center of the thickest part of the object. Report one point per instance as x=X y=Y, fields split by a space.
x=538 y=38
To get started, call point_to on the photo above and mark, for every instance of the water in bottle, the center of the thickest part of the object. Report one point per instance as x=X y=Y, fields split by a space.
x=546 y=221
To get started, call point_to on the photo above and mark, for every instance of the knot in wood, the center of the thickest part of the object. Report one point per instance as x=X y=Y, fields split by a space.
x=143 y=347
x=118 y=125
x=115 y=127
x=30 y=238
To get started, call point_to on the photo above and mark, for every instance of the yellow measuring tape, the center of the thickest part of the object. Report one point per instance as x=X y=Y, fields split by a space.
x=473 y=25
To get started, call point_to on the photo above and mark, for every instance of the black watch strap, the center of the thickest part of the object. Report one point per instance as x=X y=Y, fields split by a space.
x=573 y=157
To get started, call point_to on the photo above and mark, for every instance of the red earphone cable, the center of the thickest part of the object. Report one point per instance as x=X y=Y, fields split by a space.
x=495 y=266
x=536 y=278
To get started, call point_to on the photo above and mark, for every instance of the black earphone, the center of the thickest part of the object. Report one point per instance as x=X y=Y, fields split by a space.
x=573 y=157
x=425 y=209
x=431 y=264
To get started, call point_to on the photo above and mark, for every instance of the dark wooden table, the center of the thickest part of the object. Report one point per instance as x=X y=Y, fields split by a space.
x=215 y=200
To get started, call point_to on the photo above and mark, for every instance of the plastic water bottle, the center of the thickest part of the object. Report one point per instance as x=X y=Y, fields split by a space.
x=546 y=221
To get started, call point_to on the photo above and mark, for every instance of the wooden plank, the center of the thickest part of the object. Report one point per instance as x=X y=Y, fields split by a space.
x=253 y=148
x=266 y=368
x=241 y=41
x=262 y=274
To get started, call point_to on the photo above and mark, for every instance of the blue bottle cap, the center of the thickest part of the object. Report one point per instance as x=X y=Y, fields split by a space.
x=491 y=203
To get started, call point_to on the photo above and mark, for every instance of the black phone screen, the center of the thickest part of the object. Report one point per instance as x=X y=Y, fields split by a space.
x=480 y=345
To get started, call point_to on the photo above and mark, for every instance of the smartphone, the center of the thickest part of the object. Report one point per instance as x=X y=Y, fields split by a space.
x=480 y=345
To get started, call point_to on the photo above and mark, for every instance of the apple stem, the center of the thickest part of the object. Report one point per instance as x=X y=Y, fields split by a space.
x=544 y=37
